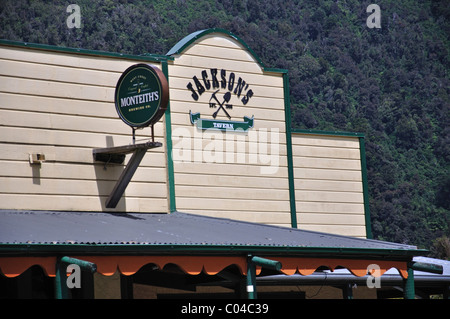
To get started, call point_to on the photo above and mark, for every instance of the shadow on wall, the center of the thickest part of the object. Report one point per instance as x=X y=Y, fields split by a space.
x=107 y=175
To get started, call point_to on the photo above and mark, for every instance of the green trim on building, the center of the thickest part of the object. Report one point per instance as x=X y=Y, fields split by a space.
x=334 y=133
x=362 y=150
x=191 y=38
x=170 y=168
x=145 y=57
x=290 y=162
x=200 y=249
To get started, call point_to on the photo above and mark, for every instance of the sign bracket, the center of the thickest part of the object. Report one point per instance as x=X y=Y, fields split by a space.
x=133 y=132
x=105 y=155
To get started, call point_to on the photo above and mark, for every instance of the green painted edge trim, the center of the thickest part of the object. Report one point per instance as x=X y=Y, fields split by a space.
x=275 y=70
x=169 y=249
x=335 y=133
x=362 y=152
x=191 y=38
x=186 y=41
x=169 y=161
x=47 y=47
x=287 y=121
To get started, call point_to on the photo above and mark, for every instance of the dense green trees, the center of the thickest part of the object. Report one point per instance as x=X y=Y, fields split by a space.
x=391 y=83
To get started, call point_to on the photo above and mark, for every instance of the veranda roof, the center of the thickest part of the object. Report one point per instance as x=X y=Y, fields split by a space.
x=126 y=242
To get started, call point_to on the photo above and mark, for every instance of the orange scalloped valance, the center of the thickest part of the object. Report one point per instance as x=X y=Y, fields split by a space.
x=358 y=267
x=194 y=265
x=127 y=265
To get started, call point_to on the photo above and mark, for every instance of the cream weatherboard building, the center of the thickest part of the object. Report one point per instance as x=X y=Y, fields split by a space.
x=60 y=103
x=229 y=159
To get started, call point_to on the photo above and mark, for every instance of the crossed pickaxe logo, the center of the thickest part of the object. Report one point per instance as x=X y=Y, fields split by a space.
x=226 y=99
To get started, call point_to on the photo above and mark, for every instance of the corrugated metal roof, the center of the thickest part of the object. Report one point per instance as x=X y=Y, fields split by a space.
x=100 y=228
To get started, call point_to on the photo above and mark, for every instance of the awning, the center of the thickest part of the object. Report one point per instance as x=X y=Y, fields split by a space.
x=127 y=242
x=211 y=265
x=390 y=277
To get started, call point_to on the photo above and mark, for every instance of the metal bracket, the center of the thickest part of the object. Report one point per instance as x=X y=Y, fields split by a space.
x=119 y=152
x=61 y=289
x=252 y=262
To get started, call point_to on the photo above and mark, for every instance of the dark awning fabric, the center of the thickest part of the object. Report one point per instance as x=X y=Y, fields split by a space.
x=126 y=242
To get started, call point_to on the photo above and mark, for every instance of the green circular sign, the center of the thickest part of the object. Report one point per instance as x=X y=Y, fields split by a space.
x=141 y=95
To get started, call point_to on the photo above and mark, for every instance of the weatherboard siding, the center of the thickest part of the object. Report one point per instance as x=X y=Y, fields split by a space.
x=61 y=104
x=227 y=179
x=328 y=184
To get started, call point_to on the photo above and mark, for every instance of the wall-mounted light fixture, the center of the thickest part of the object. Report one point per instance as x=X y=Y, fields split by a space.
x=37 y=158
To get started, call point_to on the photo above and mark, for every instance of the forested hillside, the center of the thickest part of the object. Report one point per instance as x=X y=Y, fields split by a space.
x=390 y=83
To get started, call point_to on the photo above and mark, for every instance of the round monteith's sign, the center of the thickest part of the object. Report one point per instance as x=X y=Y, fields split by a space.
x=141 y=95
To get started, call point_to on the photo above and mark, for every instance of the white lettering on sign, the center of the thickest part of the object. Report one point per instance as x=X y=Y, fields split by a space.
x=138 y=99
x=223 y=125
